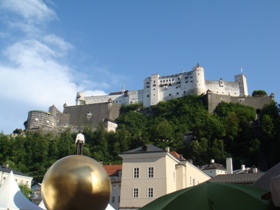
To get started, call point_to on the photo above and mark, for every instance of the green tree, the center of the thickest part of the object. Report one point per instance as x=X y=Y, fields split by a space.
x=259 y=93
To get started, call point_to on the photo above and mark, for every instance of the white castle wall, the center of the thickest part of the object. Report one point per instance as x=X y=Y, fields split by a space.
x=163 y=88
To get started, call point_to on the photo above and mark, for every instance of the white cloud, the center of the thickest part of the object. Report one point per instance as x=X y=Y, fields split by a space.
x=35 y=76
x=57 y=42
x=31 y=10
x=34 y=70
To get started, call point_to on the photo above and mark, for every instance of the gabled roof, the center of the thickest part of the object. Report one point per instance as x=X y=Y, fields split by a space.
x=247 y=178
x=149 y=148
x=112 y=170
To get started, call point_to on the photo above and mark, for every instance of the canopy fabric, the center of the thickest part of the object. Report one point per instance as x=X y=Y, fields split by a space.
x=12 y=198
x=211 y=196
x=275 y=190
x=264 y=181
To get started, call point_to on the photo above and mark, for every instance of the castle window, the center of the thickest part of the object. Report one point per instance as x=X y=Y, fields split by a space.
x=148 y=95
x=177 y=93
x=147 y=83
x=113 y=199
x=191 y=81
x=147 y=86
x=154 y=85
x=186 y=77
x=186 y=81
x=154 y=81
x=169 y=94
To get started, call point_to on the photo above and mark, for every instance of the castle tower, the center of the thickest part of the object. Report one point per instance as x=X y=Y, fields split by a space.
x=198 y=80
x=241 y=79
x=151 y=91
x=79 y=98
x=154 y=90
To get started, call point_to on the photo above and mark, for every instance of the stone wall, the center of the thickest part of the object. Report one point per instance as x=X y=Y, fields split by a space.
x=90 y=115
x=212 y=100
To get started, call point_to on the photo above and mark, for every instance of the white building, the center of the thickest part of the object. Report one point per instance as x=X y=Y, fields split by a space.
x=213 y=169
x=163 y=88
x=21 y=178
x=149 y=172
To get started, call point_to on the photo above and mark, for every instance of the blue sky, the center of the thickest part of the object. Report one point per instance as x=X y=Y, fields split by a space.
x=50 y=49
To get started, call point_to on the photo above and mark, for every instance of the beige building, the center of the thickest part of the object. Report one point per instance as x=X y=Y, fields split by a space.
x=149 y=172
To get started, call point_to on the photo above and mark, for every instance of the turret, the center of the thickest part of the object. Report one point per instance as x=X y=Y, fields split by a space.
x=243 y=89
x=198 y=80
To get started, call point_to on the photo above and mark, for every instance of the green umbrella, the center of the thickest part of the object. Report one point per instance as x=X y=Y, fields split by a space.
x=213 y=196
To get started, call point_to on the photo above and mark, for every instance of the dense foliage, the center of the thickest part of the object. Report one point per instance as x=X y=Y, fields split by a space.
x=259 y=93
x=232 y=130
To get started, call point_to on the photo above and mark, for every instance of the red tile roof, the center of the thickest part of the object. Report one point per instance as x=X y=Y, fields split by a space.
x=176 y=155
x=112 y=170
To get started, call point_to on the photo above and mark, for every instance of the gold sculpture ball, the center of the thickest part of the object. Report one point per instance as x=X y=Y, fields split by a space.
x=76 y=182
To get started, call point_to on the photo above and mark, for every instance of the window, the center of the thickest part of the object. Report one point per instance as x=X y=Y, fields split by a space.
x=151 y=172
x=135 y=192
x=113 y=199
x=136 y=173
x=194 y=182
x=119 y=199
x=150 y=192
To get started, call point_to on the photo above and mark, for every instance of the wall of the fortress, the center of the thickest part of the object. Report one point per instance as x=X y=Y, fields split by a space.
x=223 y=88
x=40 y=120
x=91 y=114
x=212 y=100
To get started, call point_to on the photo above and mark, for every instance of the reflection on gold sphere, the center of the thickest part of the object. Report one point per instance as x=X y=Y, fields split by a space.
x=76 y=182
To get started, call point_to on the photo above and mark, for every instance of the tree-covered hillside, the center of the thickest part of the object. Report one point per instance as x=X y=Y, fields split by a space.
x=184 y=124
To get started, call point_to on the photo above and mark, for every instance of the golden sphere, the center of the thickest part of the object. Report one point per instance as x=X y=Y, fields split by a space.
x=76 y=182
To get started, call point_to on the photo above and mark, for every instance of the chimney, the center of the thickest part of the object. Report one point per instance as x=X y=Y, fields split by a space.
x=229 y=165
x=243 y=167
x=167 y=149
x=255 y=170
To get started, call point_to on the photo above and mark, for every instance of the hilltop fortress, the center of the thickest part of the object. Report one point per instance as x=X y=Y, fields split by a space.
x=164 y=88
x=89 y=111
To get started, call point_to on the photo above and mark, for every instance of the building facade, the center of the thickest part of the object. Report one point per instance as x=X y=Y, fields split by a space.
x=149 y=172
